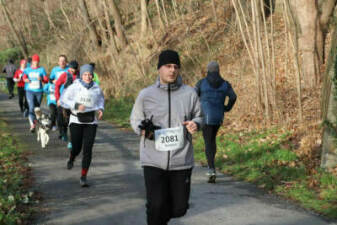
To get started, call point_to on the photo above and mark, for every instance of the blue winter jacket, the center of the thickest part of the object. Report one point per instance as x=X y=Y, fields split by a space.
x=213 y=91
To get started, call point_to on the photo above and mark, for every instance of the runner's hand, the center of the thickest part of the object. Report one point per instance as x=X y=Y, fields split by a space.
x=100 y=114
x=191 y=126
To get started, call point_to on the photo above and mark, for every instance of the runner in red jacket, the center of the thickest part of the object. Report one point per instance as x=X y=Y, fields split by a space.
x=18 y=78
x=64 y=80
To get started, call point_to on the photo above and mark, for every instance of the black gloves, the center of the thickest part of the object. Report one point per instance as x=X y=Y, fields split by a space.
x=149 y=128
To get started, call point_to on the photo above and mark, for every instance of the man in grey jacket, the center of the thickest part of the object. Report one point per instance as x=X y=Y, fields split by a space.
x=166 y=114
x=10 y=69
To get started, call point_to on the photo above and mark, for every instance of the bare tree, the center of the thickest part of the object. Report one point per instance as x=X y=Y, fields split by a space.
x=46 y=11
x=111 y=32
x=118 y=24
x=143 y=7
x=21 y=43
x=65 y=16
x=256 y=37
x=164 y=10
x=214 y=13
x=292 y=38
x=90 y=24
x=312 y=19
x=329 y=106
x=159 y=14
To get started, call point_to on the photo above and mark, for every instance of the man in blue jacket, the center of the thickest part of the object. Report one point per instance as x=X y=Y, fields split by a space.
x=213 y=91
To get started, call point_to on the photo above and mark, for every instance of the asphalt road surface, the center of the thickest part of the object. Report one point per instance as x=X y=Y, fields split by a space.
x=116 y=195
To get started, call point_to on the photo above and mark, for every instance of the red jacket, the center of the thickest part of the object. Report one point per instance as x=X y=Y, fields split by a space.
x=18 y=77
x=61 y=81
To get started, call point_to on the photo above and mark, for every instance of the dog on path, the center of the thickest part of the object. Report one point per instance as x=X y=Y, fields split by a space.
x=43 y=126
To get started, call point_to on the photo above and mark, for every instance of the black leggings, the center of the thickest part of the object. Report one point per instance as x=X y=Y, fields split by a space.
x=167 y=194
x=82 y=135
x=22 y=99
x=209 y=133
x=53 y=114
x=61 y=122
x=10 y=86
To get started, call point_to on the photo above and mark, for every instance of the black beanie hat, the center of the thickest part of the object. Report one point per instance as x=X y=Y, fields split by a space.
x=168 y=57
x=73 y=64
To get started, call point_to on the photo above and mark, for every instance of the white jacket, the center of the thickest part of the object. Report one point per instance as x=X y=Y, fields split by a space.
x=92 y=98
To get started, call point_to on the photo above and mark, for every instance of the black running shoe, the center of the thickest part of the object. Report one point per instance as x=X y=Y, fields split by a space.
x=83 y=181
x=70 y=164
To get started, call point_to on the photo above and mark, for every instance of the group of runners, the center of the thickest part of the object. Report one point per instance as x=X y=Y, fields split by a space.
x=165 y=115
x=74 y=98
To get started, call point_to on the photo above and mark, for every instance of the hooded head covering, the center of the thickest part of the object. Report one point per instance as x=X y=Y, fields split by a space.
x=213 y=67
x=213 y=75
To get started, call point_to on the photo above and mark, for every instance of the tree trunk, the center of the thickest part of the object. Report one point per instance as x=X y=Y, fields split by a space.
x=111 y=32
x=326 y=8
x=66 y=16
x=214 y=13
x=118 y=24
x=312 y=19
x=46 y=11
x=159 y=15
x=100 y=18
x=21 y=43
x=165 y=14
x=306 y=14
x=88 y=21
x=329 y=107
x=143 y=7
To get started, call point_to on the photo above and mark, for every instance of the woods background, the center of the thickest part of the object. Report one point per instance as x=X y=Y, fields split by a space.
x=279 y=55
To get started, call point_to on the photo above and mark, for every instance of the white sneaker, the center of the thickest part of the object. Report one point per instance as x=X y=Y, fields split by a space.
x=211 y=174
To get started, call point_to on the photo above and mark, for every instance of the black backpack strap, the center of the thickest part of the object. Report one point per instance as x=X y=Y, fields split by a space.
x=69 y=80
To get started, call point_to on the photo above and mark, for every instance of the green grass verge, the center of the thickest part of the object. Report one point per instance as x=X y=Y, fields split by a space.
x=15 y=199
x=118 y=111
x=261 y=158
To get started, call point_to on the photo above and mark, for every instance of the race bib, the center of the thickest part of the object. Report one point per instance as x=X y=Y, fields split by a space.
x=52 y=97
x=85 y=98
x=34 y=84
x=169 y=139
x=58 y=74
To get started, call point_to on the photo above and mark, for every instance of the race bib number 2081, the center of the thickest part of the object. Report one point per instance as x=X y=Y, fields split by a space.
x=169 y=139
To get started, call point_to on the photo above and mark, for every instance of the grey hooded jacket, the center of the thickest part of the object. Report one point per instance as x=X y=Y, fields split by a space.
x=170 y=105
x=9 y=69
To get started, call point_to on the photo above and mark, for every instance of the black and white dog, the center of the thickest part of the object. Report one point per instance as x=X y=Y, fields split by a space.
x=43 y=126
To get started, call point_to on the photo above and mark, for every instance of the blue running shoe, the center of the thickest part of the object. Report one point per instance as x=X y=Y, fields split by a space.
x=69 y=146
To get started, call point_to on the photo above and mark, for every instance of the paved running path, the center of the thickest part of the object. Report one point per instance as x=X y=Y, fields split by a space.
x=116 y=195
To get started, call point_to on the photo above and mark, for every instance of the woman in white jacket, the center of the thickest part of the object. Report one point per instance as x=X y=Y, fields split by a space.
x=86 y=101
